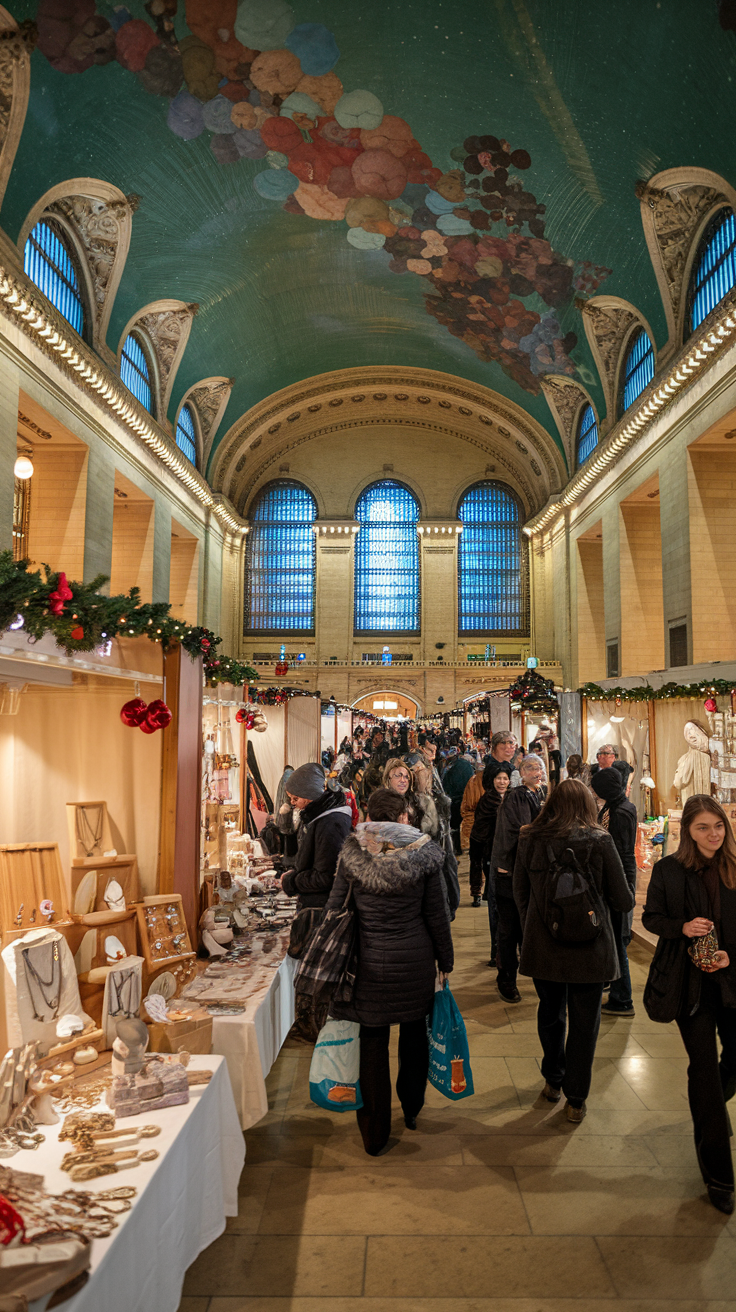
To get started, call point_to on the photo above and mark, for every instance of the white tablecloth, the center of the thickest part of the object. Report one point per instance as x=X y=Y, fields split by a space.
x=251 y=1042
x=183 y=1199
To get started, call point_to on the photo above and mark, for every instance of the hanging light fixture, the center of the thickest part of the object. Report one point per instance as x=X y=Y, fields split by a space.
x=23 y=467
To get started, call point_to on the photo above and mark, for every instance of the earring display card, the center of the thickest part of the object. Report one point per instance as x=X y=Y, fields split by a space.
x=163 y=929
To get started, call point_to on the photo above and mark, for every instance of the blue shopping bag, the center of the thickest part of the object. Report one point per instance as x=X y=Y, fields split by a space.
x=449 y=1058
x=334 y=1073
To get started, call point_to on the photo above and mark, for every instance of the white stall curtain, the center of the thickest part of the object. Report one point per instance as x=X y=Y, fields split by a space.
x=629 y=735
x=69 y=744
x=294 y=743
x=670 y=717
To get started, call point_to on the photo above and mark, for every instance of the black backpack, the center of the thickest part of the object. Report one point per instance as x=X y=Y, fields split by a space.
x=573 y=912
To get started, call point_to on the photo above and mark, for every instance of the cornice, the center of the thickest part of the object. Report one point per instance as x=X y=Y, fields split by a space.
x=693 y=362
x=23 y=305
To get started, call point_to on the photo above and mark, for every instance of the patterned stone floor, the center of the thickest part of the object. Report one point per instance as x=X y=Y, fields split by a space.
x=496 y=1203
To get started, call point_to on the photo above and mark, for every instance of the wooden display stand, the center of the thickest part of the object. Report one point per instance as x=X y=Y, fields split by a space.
x=181 y=965
x=123 y=868
x=77 y=816
x=29 y=874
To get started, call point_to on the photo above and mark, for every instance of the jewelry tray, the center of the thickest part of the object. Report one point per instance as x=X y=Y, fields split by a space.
x=153 y=927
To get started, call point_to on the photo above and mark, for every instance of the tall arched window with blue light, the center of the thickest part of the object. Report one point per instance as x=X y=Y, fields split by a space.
x=714 y=267
x=638 y=370
x=135 y=371
x=491 y=586
x=186 y=434
x=587 y=436
x=281 y=555
x=49 y=261
x=387 y=560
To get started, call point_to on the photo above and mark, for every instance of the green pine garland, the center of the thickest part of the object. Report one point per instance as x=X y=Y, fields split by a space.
x=89 y=618
x=645 y=693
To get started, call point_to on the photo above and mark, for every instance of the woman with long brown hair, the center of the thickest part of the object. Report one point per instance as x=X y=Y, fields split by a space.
x=567 y=878
x=691 y=905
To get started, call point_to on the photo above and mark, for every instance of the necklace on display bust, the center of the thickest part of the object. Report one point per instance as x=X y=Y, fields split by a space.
x=89 y=833
x=49 y=988
x=124 y=996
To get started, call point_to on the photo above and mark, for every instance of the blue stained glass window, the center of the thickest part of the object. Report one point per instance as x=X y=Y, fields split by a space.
x=490 y=560
x=587 y=433
x=134 y=371
x=714 y=271
x=638 y=368
x=49 y=262
x=387 y=560
x=186 y=437
x=280 y=560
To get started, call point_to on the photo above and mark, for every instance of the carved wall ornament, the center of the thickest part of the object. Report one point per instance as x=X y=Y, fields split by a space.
x=608 y=322
x=676 y=205
x=17 y=42
x=166 y=325
x=566 y=399
x=209 y=397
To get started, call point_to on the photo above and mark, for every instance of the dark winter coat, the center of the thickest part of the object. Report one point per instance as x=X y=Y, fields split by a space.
x=432 y=817
x=486 y=817
x=674 y=896
x=456 y=777
x=622 y=826
x=403 y=929
x=321 y=830
x=492 y=768
x=519 y=807
x=542 y=956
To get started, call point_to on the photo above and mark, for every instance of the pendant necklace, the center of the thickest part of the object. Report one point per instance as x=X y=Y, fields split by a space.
x=122 y=999
x=49 y=989
x=86 y=833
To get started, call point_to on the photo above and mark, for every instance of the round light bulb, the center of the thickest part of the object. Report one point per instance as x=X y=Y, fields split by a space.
x=23 y=467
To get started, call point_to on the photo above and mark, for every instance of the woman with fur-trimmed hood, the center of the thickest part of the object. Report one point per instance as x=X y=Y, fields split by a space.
x=404 y=936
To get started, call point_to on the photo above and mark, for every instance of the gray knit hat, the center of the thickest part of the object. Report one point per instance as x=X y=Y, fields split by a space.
x=307 y=781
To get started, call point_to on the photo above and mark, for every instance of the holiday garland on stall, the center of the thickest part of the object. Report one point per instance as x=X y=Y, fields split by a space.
x=80 y=618
x=645 y=693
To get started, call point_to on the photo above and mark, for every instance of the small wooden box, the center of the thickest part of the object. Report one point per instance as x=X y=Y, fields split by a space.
x=192 y=1035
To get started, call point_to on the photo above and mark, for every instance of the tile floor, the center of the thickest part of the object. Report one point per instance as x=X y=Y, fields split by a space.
x=496 y=1203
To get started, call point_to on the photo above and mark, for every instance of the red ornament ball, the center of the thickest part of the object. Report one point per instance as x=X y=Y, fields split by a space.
x=204 y=644
x=711 y=704
x=158 y=716
x=78 y=633
x=133 y=713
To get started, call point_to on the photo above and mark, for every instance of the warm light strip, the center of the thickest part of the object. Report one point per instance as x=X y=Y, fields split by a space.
x=693 y=361
x=21 y=303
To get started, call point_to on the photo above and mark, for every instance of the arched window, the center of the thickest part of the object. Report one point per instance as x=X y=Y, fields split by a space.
x=638 y=370
x=490 y=585
x=186 y=436
x=49 y=261
x=587 y=433
x=714 y=268
x=280 y=560
x=135 y=371
x=387 y=560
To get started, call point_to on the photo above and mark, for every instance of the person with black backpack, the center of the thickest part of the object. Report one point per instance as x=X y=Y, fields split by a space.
x=568 y=877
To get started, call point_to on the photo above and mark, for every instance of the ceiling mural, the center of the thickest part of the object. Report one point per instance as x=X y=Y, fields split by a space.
x=441 y=184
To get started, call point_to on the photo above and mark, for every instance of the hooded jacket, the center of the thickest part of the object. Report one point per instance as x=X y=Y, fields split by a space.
x=485 y=818
x=457 y=775
x=621 y=815
x=402 y=921
x=321 y=830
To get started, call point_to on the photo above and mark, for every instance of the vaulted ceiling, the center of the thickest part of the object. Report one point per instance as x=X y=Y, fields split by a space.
x=474 y=184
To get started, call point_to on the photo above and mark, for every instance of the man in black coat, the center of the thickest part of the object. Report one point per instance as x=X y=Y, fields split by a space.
x=503 y=748
x=519 y=807
x=618 y=816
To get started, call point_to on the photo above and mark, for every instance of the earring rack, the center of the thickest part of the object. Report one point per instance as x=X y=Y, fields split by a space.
x=29 y=874
x=153 y=927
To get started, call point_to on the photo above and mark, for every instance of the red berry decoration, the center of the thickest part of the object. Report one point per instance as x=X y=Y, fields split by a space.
x=133 y=713
x=61 y=594
x=204 y=644
x=158 y=716
x=78 y=633
x=711 y=704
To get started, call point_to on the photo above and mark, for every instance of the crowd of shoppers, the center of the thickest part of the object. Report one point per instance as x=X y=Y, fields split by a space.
x=552 y=852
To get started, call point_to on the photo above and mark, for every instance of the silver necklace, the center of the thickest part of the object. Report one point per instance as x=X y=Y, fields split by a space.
x=124 y=987
x=49 y=989
x=85 y=833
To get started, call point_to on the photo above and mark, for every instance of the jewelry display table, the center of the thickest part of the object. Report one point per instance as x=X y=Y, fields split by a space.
x=182 y=1202
x=251 y=1041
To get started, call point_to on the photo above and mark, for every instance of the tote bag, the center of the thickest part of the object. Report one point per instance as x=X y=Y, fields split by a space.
x=334 y=1073
x=449 y=1058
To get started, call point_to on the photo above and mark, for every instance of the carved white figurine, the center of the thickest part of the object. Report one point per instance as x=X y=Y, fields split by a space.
x=693 y=769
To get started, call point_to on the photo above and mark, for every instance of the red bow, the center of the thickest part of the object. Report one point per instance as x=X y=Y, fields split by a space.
x=63 y=593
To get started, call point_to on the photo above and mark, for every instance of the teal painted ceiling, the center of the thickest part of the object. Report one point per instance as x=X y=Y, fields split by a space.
x=495 y=185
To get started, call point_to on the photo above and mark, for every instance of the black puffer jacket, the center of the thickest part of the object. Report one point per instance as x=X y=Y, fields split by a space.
x=403 y=929
x=321 y=830
x=542 y=956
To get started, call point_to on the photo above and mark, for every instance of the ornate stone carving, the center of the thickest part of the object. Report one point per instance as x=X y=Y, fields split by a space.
x=209 y=399
x=565 y=399
x=607 y=325
x=675 y=213
x=165 y=330
x=16 y=47
x=97 y=224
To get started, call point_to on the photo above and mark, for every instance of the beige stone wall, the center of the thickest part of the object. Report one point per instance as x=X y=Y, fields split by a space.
x=642 y=623
x=712 y=499
x=591 y=635
x=58 y=503
x=132 y=548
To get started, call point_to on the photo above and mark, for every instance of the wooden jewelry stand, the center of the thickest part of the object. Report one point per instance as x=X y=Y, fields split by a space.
x=121 y=924
x=29 y=874
x=181 y=962
x=123 y=868
x=89 y=830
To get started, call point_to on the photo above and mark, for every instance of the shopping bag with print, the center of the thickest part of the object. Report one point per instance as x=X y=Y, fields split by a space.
x=334 y=1073
x=449 y=1059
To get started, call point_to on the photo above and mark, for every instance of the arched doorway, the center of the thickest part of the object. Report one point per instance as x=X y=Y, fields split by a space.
x=388 y=705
